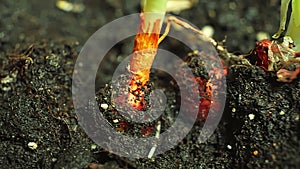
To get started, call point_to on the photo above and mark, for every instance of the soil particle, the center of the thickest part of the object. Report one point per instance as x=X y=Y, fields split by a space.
x=38 y=108
x=271 y=138
x=259 y=128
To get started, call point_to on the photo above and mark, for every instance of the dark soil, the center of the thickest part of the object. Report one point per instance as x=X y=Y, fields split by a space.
x=39 y=45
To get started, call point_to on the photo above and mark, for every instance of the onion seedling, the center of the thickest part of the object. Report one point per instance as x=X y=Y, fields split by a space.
x=144 y=50
x=290 y=22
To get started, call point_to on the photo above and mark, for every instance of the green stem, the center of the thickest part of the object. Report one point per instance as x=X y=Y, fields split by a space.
x=153 y=11
x=294 y=26
x=155 y=5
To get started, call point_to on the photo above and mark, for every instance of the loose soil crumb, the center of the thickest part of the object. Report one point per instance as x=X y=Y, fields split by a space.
x=39 y=45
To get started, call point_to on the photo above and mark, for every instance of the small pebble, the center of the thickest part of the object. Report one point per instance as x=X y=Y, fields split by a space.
x=69 y=7
x=32 y=145
x=255 y=152
x=251 y=116
x=93 y=146
x=233 y=110
x=104 y=106
x=6 y=79
x=9 y=78
x=281 y=113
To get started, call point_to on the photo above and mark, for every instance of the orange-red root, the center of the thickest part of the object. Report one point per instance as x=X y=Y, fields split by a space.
x=144 y=51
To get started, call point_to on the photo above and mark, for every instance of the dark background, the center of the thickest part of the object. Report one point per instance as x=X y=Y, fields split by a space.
x=33 y=20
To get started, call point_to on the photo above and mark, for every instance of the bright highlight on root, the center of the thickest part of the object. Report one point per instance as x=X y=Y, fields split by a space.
x=144 y=51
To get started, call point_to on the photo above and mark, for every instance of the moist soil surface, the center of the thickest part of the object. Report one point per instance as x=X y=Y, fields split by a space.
x=39 y=45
